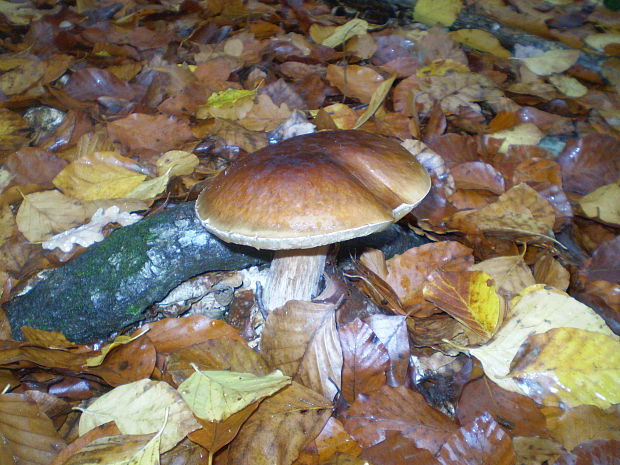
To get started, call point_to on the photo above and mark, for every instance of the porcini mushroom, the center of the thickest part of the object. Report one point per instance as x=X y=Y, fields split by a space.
x=307 y=192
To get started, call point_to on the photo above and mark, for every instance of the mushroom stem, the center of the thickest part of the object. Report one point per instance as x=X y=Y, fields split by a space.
x=294 y=275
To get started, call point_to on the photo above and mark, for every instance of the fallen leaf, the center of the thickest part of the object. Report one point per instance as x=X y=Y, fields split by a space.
x=603 y=452
x=355 y=81
x=27 y=435
x=215 y=395
x=577 y=366
x=522 y=134
x=603 y=204
x=43 y=214
x=332 y=440
x=341 y=34
x=140 y=408
x=376 y=101
x=310 y=353
x=552 y=61
x=480 y=40
x=99 y=175
x=510 y=274
x=431 y=12
x=480 y=441
x=280 y=428
x=586 y=423
x=468 y=296
x=115 y=450
x=366 y=360
x=177 y=163
x=535 y=311
x=369 y=419
x=13 y=134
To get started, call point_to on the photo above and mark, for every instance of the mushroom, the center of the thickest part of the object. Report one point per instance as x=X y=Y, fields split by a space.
x=307 y=192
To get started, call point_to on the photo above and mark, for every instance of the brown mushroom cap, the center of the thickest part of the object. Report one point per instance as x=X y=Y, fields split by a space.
x=313 y=190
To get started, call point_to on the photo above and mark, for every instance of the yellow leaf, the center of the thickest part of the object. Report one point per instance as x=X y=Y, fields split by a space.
x=230 y=104
x=431 y=12
x=441 y=67
x=568 y=85
x=536 y=310
x=151 y=188
x=579 y=367
x=521 y=134
x=215 y=395
x=341 y=34
x=600 y=41
x=480 y=40
x=553 y=61
x=100 y=175
x=142 y=407
x=468 y=296
x=178 y=162
x=375 y=102
x=18 y=13
x=603 y=204
x=43 y=214
x=343 y=116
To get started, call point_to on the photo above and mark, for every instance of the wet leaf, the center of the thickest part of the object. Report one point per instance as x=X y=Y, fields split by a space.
x=432 y=12
x=603 y=204
x=553 y=61
x=578 y=366
x=468 y=296
x=366 y=360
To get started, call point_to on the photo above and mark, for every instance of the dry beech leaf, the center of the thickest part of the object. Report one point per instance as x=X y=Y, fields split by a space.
x=577 y=366
x=518 y=413
x=478 y=175
x=141 y=408
x=366 y=360
x=469 y=297
x=216 y=434
x=603 y=204
x=553 y=61
x=171 y=334
x=145 y=135
x=369 y=419
x=280 y=428
x=215 y=395
x=536 y=450
x=522 y=134
x=332 y=440
x=27 y=435
x=215 y=354
x=398 y=450
x=408 y=272
x=310 y=352
x=601 y=452
x=480 y=40
x=341 y=34
x=265 y=115
x=360 y=82
x=392 y=332
x=99 y=175
x=177 y=163
x=375 y=102
x=432 y=12
x=548 y=270
x=536 y=310
x=586 y=423
x=43 y=214
x=114 y=450
x=482 y=440
x=510 y=274
x=519 y=213
x=13 y=133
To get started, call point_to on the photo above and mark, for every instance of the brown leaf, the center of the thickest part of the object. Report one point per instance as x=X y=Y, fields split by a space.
x=32 y=165
x=170 y=334
x=408 y=272
x=397 y=450
x=366 y=360
x=586 y=164
x=478 y=175
x=392 y=332
x=603 y=265
x=301 y=339
x=92 y=83
x=586 y=423
x=216 y=434
x=280 y=428
x=332 y=440
x=481 y=441
x=27 y=435
x=355 y=81
x=12 y=131
x=537 y=170
x=369 y=419
x=548 y=270
x=518 y=414
x=146 y=135
x=601 y=452
x=222 y=353
x=127 y=362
